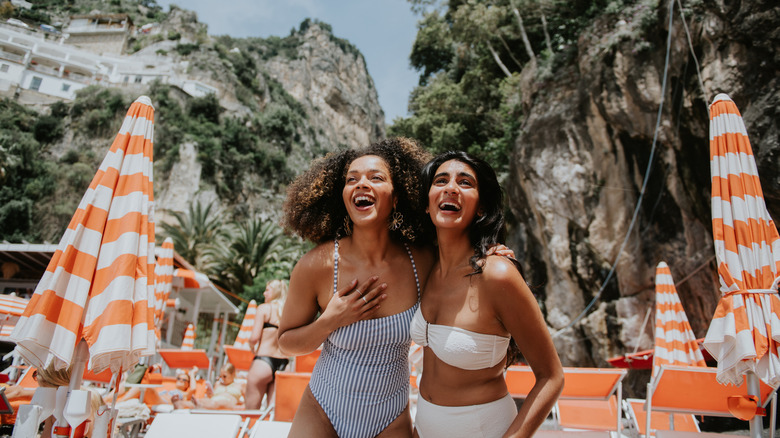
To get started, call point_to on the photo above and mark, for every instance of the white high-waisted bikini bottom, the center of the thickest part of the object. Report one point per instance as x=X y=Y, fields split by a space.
x=486 y=420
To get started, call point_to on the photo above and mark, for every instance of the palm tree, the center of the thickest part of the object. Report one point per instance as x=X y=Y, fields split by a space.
x=196 y=233
x=256 y=246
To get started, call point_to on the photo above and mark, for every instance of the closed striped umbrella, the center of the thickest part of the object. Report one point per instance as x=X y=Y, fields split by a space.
x=189 y=338
x=100 y=282
x=163 y=277
x=745 y=329
x=192 y=279
x=675 y=343
x=242 y=340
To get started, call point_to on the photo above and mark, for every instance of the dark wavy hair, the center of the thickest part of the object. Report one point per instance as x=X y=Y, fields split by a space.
x=314 y=208
x=488 y=229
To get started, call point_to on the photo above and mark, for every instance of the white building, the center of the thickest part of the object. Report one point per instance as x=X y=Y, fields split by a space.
x=47 y=64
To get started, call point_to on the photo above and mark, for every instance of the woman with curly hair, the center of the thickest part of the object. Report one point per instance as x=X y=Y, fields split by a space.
x=362 y=208
x=474 y=305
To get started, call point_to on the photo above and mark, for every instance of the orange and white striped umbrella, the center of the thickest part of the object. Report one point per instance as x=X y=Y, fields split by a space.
x=163 y=277
x=242 y=340
x=192 y=279
x=100 y=281
x=11 y=305
x=11 y=308
x=675 y=343
x=745 y=329
x=189 y=338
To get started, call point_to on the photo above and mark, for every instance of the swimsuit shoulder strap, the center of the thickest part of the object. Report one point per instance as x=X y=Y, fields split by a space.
x=414 y=268
x=335 y=265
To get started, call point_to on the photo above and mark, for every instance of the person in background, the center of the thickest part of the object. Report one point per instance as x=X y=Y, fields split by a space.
x=474 y=305
x=227 y=394
x=185 y=386
x=363 y=279
x=264 y=342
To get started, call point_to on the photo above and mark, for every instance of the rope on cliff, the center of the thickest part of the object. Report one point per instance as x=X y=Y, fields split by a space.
x=644 y=184
x=695 y=60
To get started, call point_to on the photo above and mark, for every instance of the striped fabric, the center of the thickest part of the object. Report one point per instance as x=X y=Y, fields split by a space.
x=163 y=277
x=675 y=343
x=747 y=248
x=361 y=378
x=11 y=305
x=189 y=338
x=100 y=282
x=242 y=340
x=6 y=328
x=192 y=279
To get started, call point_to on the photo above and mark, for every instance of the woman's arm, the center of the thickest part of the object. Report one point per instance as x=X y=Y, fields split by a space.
x=518 y=311
x=299 y=332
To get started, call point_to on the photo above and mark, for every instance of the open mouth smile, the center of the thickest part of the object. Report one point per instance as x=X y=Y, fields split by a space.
x=449 y=206
x=363 y=202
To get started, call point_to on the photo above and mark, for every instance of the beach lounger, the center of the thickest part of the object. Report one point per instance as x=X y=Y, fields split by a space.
x=636 y=413
x=270 y=429
x=694 y=390
x=241 y=358
x=195 y=426
x=305 y=363
x=185 y=359
x=597 y=390
x=290 y=387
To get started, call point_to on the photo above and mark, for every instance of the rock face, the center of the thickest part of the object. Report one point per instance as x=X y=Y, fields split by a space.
x=579 y=167
x=329 y=81
x=334 y=88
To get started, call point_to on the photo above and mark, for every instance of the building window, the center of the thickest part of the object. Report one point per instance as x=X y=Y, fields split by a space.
x=3 y=68
x=65 y=87
x=127 y=79
x=35 y=84
x=138 y=79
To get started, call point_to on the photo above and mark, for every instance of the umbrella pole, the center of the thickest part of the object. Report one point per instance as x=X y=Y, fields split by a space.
x=756 y=424
x=79 y=363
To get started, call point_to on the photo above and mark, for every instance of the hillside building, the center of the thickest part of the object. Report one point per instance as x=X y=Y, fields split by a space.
x=40 y=67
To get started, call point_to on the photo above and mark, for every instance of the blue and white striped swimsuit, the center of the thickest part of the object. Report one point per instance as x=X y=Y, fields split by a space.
x=361 y=379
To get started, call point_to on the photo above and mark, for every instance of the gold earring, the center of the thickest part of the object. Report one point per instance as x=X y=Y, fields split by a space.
x=398 y=220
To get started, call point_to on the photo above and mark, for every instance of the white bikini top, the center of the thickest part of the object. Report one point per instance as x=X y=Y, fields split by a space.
x=459 y=347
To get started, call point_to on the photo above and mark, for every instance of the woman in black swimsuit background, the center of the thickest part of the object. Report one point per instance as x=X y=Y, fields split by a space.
x=264 y=343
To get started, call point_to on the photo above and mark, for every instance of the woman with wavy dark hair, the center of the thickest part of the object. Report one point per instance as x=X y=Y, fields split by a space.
x=474 y=305
x=362 y=207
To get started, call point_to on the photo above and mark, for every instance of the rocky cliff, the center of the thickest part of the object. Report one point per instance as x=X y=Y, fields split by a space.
x=326 y=77
x=578 y=167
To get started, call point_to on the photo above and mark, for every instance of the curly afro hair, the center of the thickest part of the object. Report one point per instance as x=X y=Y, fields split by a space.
x=314 y=208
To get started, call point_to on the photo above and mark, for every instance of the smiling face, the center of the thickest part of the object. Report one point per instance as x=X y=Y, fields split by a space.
x=453 y=198
x=226 y=376
x=182 y=382
x=368 y=191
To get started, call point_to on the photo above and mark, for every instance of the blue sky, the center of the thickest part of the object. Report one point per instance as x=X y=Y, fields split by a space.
x=383 y=30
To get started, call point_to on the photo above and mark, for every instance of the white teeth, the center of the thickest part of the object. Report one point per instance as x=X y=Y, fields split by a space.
x=449 y=206
x=364 y=198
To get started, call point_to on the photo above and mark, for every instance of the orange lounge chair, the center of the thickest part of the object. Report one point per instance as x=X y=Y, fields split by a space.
x=305 y=363
x=635 y=411
x=241 y=358
x=695 y=390
x=597 y=391
x=186 y=359
x=290 y=387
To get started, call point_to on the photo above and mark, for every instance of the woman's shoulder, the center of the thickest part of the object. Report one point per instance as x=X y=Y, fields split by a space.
x=500 y=269
x=319 y=257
